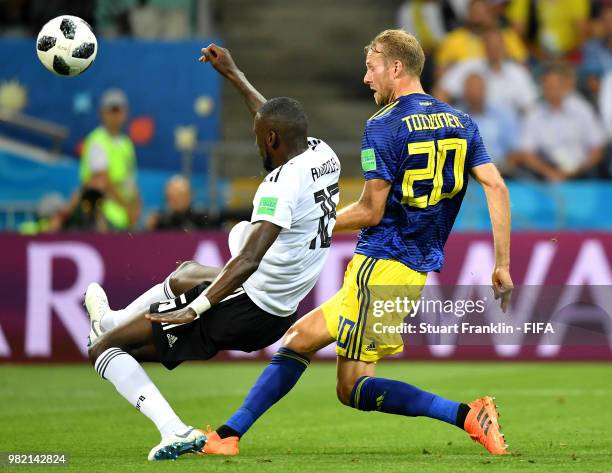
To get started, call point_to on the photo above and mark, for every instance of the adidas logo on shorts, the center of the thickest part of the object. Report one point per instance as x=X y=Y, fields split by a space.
x=371 y=347
x=171 y=339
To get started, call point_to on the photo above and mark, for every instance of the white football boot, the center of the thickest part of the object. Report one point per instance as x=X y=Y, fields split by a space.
x=96 y=303
x=177 y=444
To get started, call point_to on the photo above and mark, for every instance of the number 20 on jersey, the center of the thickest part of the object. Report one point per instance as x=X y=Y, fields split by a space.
x=437 y=153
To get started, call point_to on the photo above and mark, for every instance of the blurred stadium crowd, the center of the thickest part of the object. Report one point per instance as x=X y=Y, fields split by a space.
x=536 y=75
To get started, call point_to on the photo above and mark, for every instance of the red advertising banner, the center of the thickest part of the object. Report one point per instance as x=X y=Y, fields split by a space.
x=43 y=279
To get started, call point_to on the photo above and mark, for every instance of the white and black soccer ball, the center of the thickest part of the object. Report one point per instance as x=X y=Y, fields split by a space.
x=66 y=45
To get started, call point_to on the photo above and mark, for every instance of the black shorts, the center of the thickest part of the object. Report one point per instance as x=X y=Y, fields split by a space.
x=236 y=323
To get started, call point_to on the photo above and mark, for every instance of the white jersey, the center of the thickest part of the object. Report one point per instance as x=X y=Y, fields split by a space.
x=301 y=197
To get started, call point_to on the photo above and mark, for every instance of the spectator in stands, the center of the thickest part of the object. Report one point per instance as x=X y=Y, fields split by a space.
x=466 y=43
x=499 y=127
x=605 y=108
x=597 y=54
x=509 y=84
x=179 y=214
x=562 y=135
x=429 y=21
x=108 y=163
x=499 y=9
x=558 y=27
x=86 y=212
x=49 y=216
x=605 y=103
x=426 y=19
x=82 y=213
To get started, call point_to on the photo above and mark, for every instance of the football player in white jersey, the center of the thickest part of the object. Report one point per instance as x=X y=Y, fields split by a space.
x=249 y=303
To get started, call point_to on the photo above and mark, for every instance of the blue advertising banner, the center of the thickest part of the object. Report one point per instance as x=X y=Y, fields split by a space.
x=170 y=93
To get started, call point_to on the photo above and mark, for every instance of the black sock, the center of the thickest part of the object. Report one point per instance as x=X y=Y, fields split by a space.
x=224 y=431
x=462 y=413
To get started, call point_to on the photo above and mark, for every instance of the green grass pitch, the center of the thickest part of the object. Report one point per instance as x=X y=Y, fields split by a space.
x=557 y=417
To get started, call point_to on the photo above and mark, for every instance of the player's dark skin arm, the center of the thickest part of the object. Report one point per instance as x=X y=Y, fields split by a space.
x=221 y=59
x=262 y=234
x=368 y=211
x=260 y=238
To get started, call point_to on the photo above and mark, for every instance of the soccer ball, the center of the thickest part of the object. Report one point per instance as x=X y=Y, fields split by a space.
x=66 y=45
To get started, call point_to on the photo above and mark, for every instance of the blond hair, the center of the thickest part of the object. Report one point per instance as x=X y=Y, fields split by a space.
x=401 y=46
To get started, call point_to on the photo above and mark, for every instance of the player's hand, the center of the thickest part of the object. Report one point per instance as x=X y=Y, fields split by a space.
x=180 y=316
x=502 y=286
x=220 y=58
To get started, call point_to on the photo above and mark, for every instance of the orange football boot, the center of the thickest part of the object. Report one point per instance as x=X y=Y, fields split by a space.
x=482 y=426
x=215 y=445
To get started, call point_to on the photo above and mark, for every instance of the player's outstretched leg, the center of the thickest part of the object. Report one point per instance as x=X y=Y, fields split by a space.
x=357 y=388
x=187 y=275
x=114 y=358
x=301 y=341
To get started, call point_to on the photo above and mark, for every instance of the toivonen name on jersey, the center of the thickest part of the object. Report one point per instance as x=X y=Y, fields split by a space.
x=431 y=121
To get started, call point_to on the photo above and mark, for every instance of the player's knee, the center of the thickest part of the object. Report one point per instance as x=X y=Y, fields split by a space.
x=344 y=391
x=95 y=350
x=102 y=344
x=296 y=340
x=185 y=264
x=178 y=279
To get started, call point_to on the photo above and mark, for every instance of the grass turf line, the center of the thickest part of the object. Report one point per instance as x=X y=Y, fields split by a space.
x=556 y=417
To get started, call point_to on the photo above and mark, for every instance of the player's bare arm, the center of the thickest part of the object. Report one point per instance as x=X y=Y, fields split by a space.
x=498 y=200
x=368 y=210
x=221 y=59
x=237 y=270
